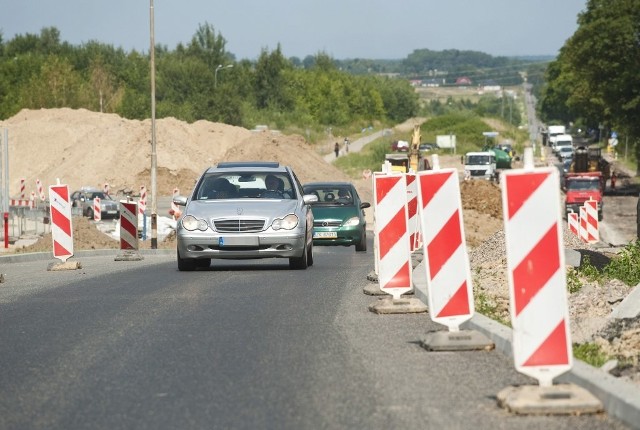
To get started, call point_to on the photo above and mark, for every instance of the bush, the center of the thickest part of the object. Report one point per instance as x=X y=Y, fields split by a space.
x=626 y=267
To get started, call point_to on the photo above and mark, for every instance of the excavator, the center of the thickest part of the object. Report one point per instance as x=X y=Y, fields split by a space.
x=411 y=160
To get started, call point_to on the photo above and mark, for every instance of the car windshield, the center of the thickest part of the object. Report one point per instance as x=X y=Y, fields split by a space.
x=331 y=195
x=478 y=159
x=245 y=185
x=98 y=194
x=583 y=185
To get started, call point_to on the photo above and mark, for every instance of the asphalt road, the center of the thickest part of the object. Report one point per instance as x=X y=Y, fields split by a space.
x=242 y=345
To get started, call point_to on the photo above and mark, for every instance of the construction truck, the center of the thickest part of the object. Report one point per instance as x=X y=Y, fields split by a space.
x=411 y=160
x=586 y=179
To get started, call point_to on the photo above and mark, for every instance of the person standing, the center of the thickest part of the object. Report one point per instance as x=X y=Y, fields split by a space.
x=346 y=144
x=336 y=149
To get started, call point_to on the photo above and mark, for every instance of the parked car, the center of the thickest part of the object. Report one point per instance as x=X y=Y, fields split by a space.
x=240 y=210
x=83 y=198
x=565 y=153
x=426 y=147
x=338 y=215
x=400 y=146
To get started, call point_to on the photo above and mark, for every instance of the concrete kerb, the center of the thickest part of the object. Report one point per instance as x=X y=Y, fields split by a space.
x=620 y=398
x=39 y=256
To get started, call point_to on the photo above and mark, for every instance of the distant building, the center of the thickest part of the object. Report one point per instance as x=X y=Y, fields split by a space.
x=463 y=80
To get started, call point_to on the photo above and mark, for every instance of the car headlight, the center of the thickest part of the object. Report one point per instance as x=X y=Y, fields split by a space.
x=191 y=223
x=287 y=223
x=352 y=222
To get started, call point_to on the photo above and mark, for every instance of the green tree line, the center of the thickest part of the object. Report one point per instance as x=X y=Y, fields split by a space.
x=197 y=80
x=595 y=81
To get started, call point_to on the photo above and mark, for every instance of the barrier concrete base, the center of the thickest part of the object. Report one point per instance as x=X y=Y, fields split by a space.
x=372 y=289
x=561 y=399
x=67 y=265
x=129 y=255
x=372 y=276
x=463 y=340
x=388 y=305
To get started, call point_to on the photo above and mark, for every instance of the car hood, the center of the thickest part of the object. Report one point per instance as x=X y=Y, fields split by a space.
x=242 y=208
x=334 y=212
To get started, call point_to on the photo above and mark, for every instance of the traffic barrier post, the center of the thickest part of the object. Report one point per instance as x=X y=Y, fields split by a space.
x=128 y=232
x=582 y=230
x=393 y=254
x=573 y=220
x=97 y=209
x=61 y=227
x=592 y=223
x=538 y=295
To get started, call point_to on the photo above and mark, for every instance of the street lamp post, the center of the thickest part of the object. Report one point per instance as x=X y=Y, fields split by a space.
x=154 y=157
x=215 y=75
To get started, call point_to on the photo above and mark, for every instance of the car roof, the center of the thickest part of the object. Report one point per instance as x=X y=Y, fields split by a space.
x=249 y=166
x=328 y=184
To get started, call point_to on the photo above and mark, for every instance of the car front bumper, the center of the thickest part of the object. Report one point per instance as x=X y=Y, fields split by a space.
x=332 y=236
x=240 y=246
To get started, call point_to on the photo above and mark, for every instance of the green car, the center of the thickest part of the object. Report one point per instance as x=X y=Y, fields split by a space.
x=338 y=215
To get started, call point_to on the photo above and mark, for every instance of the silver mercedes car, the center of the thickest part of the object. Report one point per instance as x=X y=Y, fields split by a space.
x=241 y=210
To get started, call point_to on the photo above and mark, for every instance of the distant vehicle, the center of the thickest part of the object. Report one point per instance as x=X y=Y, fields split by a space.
x=83 y=199
x=561 y=141
x=399 y=162
x=552 y=131
x=565 y=153
x=241 y=210
x=338 y=215
x=480 y=165
x=426 y=147
x=580 y=187
x=400 y=146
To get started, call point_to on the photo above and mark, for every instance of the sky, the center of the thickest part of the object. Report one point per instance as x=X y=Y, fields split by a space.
x=343 y=29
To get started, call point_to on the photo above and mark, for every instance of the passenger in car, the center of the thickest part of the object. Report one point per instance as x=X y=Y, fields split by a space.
x=344 y=196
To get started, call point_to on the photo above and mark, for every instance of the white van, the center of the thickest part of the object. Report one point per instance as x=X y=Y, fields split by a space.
x=562 y=140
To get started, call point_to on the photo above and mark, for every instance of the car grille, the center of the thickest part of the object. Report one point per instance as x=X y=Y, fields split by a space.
x=478 y=172
x=327 y=223
x=238 y=225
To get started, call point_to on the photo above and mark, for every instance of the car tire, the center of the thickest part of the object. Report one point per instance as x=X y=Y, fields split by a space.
x=362 y=246
x=300 y=263
x=89 y=213
x=310 y=255
x=186 y=264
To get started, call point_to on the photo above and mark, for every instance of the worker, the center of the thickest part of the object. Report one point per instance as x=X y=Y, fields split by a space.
x=613 y=180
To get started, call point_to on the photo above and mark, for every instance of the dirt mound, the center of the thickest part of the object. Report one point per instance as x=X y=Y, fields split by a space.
x=81 y=147
x=482 y=196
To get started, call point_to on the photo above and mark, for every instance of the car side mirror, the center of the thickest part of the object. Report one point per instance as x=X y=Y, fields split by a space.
x=365 y=205
x=310 y=198
x=180 y=200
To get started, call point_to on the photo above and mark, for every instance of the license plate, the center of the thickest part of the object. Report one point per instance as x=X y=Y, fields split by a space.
x=238 y=241
x=112 y=212
x=325 y=235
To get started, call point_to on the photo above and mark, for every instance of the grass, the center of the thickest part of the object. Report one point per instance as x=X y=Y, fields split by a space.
x=590 y=353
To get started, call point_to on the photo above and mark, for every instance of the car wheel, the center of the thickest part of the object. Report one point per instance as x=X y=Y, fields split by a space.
x=203 y=263
x=186 y=264
x=310 y=255
x=89 y=213
x=362 y=246
x=300 y=263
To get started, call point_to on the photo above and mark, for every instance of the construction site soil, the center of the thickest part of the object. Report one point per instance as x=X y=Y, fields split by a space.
x=83 y=148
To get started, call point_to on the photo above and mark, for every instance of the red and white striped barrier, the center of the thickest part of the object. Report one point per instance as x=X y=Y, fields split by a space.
x=22 y=188
x=449 y=289
x=20 y=203
x=573 y=221
x=412 y=211
x=592 y=225
x=582 y=229
x=61 y=231
x=128 y=225
x=536 y=273
x=142 y=203
x=40 y=189
x=97 y=209
x=394 y=267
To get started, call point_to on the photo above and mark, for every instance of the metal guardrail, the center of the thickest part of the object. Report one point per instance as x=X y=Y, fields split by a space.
x=26 y=221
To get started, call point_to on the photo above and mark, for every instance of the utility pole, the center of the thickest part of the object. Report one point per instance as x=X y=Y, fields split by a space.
x=154 y=158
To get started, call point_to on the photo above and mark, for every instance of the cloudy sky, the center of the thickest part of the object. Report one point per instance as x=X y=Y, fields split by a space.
x=373 y=29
